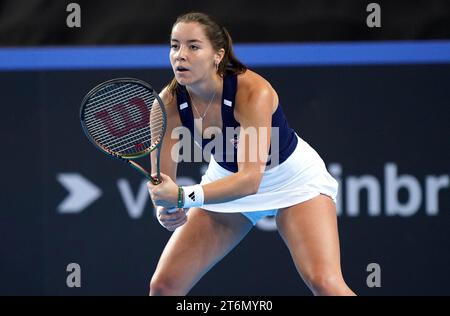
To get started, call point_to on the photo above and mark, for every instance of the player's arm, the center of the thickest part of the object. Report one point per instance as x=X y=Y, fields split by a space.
x=169 y=218
x=255 y=117
x=168 y=159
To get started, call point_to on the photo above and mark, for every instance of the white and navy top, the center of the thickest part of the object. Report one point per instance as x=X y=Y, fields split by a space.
x=227 y=157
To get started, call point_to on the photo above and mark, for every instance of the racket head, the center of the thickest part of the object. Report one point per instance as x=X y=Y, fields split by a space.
x=121 y=118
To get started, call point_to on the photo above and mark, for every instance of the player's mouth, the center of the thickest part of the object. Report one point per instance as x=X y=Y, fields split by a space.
x=181 y=69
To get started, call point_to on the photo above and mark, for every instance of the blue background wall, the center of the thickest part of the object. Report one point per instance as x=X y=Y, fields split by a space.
x=376 y=112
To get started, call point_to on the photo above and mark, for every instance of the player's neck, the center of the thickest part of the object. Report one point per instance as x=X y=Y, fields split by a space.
x=205 y=88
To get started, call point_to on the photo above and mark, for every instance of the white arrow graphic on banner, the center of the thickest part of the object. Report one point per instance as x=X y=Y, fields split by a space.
x=81 y=192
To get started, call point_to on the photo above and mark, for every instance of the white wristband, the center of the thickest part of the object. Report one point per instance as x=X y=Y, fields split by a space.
x=193 y=196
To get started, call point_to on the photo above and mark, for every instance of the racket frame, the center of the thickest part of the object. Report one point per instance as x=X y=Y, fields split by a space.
x=125 y=158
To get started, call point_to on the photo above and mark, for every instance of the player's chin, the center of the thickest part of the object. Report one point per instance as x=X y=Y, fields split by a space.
x=183 y=79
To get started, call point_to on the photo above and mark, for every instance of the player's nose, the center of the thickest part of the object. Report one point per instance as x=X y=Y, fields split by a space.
x=181 y=54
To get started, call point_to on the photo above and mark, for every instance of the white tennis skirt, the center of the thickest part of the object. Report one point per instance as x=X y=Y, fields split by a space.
x=299 y=178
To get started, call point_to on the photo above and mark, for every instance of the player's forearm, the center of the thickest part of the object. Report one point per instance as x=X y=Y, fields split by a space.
x=169 y=168
x=230 y=188
x=168 y=164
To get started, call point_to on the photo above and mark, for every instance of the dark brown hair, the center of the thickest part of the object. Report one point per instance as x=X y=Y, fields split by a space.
x=219 y=38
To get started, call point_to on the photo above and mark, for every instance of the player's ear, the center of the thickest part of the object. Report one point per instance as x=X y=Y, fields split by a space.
x=219 y=56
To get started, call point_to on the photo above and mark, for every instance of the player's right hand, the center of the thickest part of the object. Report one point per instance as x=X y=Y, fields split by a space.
x=171 y=219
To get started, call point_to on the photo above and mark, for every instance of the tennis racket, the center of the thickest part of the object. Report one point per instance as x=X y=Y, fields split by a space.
x=125 y=118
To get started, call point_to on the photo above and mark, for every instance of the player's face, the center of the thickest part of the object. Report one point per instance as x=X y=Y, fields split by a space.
x=191 y=53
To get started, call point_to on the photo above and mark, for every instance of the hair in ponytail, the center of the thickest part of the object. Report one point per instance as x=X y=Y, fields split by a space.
x=219 y=38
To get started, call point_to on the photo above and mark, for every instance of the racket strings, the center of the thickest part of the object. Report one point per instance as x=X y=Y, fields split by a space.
x=99 y=131
x=132 y=137
x=119 y=94
x=110 y=100
x=122 y=100
x=116 y=117
x=122 y=119
x=156 y=128
x=136 y=137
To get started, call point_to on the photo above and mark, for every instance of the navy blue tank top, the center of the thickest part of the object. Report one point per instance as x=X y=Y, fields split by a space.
x=226 y=154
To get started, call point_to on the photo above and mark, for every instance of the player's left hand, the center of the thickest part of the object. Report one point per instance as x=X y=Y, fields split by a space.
x=164 y=194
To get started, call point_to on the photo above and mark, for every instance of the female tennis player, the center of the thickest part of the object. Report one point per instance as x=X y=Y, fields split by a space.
x=288 y=179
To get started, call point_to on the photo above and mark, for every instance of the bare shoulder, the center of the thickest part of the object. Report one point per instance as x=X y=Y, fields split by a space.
x=170 y=105
x=252 y=80
x=169 y=100
x=251 y=87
